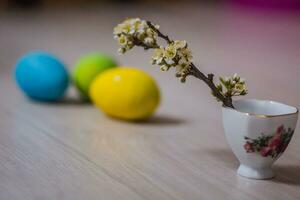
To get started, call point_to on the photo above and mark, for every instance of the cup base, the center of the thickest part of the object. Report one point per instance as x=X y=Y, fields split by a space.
x=248 y=172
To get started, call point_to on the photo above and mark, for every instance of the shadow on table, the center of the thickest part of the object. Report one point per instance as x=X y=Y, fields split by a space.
x=156 y=120
x=67 y=101
x=287 y=174
x=74 y=101
x=163 y=120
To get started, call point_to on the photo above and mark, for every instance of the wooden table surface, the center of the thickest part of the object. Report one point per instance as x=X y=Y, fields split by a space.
x=71 y=150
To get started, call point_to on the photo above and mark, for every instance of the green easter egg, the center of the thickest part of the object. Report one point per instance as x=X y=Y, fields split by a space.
x=88 y=67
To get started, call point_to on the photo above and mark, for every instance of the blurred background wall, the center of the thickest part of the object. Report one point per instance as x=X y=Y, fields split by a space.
x=265 y=4
x=8 y=4
x=248 y=37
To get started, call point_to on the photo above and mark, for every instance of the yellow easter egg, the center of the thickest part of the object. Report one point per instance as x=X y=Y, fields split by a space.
x=125 y=93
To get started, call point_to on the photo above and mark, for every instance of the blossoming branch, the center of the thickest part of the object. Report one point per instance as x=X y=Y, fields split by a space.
x=176 y=54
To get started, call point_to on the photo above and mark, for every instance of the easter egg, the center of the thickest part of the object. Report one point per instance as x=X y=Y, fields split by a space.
x=88 y=67
x=125 y=93
x=41 y=76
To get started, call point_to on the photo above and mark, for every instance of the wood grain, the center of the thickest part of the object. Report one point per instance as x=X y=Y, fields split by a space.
x=70 y=150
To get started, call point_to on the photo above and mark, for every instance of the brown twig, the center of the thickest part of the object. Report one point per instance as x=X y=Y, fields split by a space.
x=159 y=34
x=227 y=101
x=208 y=79
x=141 y=44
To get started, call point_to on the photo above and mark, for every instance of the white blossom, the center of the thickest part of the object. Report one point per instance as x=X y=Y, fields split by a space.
x=158 y=56
x=239 y=88
x=149 y=40
x=235 y=86
x=122 y=40
x=164 y=68
x=176 y=54
x=180 y=44
x=132 y=30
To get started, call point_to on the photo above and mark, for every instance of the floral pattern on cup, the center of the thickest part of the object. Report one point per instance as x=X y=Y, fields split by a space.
x=270 y=145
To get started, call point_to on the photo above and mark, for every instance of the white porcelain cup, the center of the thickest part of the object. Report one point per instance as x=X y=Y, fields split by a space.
x=258 y=132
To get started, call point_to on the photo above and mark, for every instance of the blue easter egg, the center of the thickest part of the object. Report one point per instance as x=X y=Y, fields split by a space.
x=41 y=76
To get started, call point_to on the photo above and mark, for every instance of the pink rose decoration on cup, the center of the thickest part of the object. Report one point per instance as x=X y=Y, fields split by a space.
x=270 y=145
x=265 y=151
x=248 y=147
